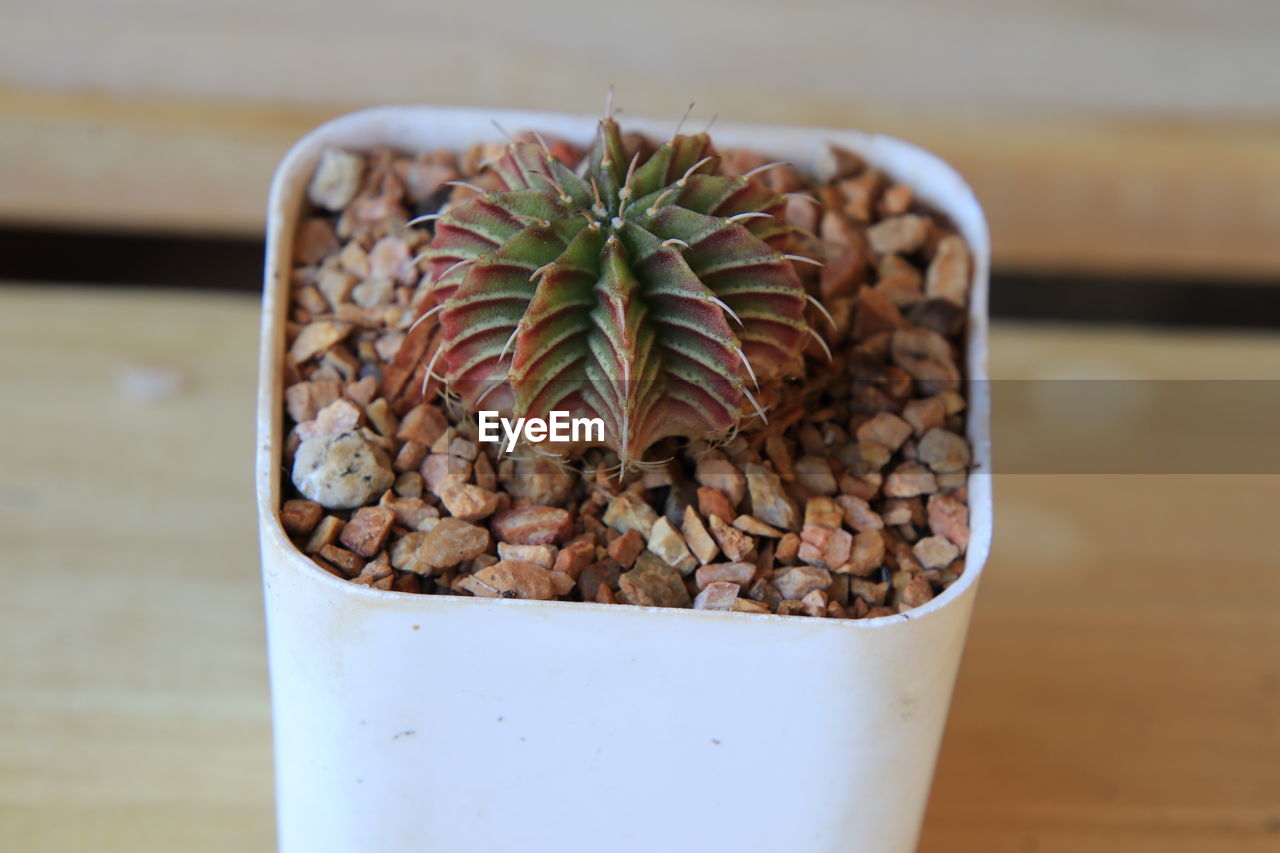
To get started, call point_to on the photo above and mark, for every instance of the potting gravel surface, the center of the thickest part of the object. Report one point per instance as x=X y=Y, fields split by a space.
x=850 y=502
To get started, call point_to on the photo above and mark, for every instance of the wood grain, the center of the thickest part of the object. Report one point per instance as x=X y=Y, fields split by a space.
x=1120 y=690
x=1138 y=137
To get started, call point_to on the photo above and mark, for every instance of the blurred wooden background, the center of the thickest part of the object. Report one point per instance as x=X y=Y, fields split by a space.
x=1126 y=137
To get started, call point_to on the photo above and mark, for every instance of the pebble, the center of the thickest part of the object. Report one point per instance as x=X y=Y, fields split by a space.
x=313 y=241
x=574 y=557
x=712 y=502
x=533 y=525
x=925 y=355
x=653 y=583
x=719 y=473
x=755 y=527
x=300 y=517
x=814 y=473
x=917 y=592
x=909 y=480
x=899 y=235
x=815 y=603
x=626 y=548
x=337 y=417
x=950 y=518
x=450 y=542
x=304 y=400
x=538 y=480
x=948 y=275
x=628 y=512
x=542 y=555
x=735 y=573
x=717 y=596
x=935 y=552
x=342 y=471
x=769 y=502
x=465 y=500
x=824 y=511
x=336 y=179
x=943 y=451
x=796 y=582
x=516 y=579
x=367 y=530
x=886 y=429
x=424 y=424
x=669 y=545
x=733 y=542
x=788 y=549
x=700 y=542
x=316 y=337
x=925 y=414
x=824 y=546
x=858 y=514
x=867 y=554
x=871 y=593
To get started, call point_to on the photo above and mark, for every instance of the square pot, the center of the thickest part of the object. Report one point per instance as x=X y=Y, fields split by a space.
x=419 y=722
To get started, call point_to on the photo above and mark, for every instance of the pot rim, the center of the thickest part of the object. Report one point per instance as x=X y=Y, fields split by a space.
x=282 y=214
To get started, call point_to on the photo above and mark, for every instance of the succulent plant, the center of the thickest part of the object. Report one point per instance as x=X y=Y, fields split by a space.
x=650 y=292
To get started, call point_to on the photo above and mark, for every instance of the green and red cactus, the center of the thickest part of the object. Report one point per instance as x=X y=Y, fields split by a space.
x=649 y=292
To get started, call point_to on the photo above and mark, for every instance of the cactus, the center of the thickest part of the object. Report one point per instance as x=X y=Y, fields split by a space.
x=649 y=292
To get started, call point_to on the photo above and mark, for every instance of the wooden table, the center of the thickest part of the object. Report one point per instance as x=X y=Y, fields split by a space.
x=1120 y=691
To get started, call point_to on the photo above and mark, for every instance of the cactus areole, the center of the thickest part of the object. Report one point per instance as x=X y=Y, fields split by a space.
x=651 y=293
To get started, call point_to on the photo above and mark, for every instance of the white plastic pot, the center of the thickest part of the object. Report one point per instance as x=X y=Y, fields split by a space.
x=430 y=723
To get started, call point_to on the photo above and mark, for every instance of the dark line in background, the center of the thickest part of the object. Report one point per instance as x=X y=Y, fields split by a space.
x=235 y=264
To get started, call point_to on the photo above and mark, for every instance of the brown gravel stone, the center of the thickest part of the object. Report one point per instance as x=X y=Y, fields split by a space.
x=949 y=517
x=533 y=525
x=815 y=603
x=698 y=538
x=313 y=240
x=300 y=517
x=900 y=235
x=795 y=582
x=823 y=511
x=910 y=480
x=574 y=557
x=404 y=553
x=424 y=424
x=788 y=550
x=814 y=473
x=717 y=596
x=541 y=481
x=858 y=514
x=925 y=355
x=467 y=501
x=668 y=544
x=755 y=527
x=915 y=593
x=867 y=555
x=824 y=546
x=336 y=179
x=925 y=414
x=367 y=530
x=626 y=548
x=653 y=583
x=769 y=502
x=325 y=533
x=410 y=513
x=712 y=502
x=338 y=417
x=304 y=400
x=736 y=573
x=886 y=429
x=719 y=473
x=349 y=563
x=628 y=512
x=542 y=555
x=948 y=276
x=316 y=337
x=935 y=552
x=871 y=593
x=450 y=542
x=733 y=542
x=512 y=579
x=944 y=452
